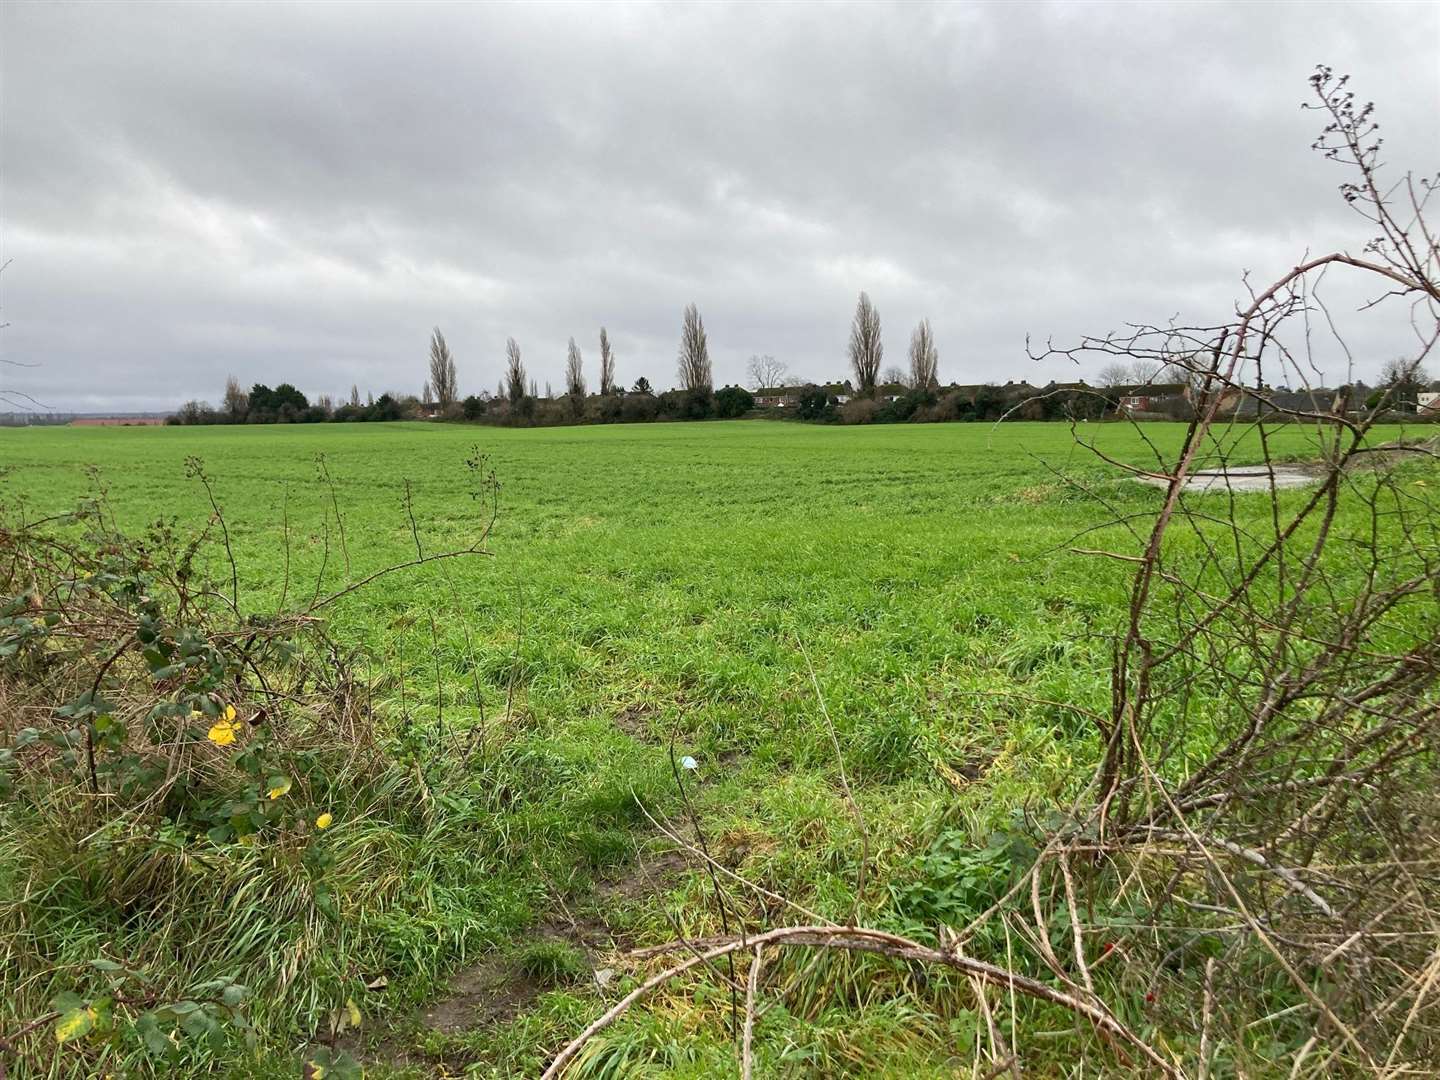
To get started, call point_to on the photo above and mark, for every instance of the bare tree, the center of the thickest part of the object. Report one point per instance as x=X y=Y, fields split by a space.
x=924 y=358
x=427 y=396
x=694 y=353
x=514 y=387
x=442 y=370
x=764 y=372
x=354 y=396
x=866 y=350
x=1118 y=374
x=607 y=364
x=574 y=371
x=1277 y=802
x=1403 y=379
x=237 y=401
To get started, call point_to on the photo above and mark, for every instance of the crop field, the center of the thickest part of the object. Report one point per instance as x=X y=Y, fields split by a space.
x=717 y=591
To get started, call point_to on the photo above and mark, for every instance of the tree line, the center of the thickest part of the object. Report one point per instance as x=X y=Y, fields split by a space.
x=517 y=399
x=873 y=394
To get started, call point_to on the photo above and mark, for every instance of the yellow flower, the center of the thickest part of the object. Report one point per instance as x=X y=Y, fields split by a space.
x=223 y=732
x=279 y=785
x=230 y=713
x=324 y=820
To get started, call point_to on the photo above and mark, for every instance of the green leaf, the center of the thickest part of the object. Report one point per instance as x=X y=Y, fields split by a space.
x=234 y=994
x=74 y=1024
x=156 y=1041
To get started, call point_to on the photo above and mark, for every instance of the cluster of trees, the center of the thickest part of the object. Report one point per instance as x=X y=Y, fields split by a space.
x=936 y=404
x=1402 y=382
x=517 y=399
x=867 y=351
x=879 y=395
x=287 y=405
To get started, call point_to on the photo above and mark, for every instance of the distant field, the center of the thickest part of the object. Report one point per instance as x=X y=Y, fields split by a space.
x=657 y=583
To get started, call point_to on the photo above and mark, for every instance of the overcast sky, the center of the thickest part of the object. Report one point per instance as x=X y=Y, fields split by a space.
x=298 y=193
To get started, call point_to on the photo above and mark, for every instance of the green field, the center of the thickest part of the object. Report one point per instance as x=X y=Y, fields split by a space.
x=649 y=586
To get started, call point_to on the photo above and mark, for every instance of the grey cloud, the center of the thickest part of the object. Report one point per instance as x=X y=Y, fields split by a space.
x=300 y=192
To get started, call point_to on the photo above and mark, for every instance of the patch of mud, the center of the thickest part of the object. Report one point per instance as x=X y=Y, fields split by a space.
x=648 y=877
x=634 y=720
x=491 y=992
x=495 y=991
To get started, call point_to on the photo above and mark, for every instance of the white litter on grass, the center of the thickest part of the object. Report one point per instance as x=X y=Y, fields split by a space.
x=689 y=763
x=1240 y=480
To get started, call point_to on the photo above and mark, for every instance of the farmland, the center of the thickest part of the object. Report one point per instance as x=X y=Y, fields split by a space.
x=721 y=588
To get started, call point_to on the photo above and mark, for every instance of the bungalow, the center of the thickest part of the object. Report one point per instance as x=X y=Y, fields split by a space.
x=775 y=397
x=1428 y=401
x=888 y=391
x=1151 y=397
x=787 y=397
x=1319 y=401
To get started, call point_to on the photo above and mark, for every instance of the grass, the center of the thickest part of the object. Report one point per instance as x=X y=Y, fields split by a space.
x=652 y=585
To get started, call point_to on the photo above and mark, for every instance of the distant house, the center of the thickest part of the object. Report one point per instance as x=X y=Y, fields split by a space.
x=1428 y=401
x=889 y=391
x=971 y=391
x=787 y=397
x=775 y=397
x=1267 y=402
x=1151 y=397
x=117 y=421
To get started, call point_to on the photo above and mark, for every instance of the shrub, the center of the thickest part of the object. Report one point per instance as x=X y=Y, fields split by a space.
x=639 y=408
x=957 y=879
x=733 y=401
x=694 y=404
x=815 y=403
x=859 y=411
